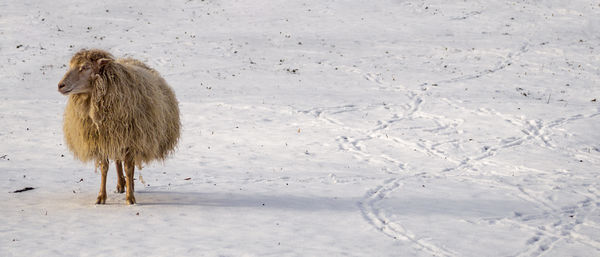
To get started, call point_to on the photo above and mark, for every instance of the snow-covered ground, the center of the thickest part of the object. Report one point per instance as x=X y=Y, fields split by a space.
x=317 y=128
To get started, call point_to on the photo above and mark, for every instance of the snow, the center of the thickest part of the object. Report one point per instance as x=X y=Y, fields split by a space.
x=317 y=128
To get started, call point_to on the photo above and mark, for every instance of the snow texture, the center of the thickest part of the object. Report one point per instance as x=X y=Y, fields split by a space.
x=317 y=128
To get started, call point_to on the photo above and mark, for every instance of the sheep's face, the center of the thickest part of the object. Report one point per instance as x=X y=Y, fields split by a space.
x=78 y=80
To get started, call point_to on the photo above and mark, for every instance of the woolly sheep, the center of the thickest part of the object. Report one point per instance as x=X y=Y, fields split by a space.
x=118 y=109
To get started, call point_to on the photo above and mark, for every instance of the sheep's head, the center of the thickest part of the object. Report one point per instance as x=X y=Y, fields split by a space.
x=84 y=68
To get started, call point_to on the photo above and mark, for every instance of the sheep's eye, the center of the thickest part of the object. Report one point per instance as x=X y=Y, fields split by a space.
x=85 y=67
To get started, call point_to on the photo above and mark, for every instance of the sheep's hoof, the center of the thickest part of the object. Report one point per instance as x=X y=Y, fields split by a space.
x=120 y=189
x=130 y=200
x=101 y=199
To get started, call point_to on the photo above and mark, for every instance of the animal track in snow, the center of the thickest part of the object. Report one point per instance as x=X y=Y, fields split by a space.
x=536 y=131
x=377 y=219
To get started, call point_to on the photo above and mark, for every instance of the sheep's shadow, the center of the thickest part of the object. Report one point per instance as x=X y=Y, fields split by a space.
x=152 y=198
x=482 y=207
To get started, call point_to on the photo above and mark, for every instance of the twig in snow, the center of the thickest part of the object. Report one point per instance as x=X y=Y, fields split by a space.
x=23 y=190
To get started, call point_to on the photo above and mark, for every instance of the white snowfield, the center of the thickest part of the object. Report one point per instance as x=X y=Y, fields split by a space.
x=317 y=128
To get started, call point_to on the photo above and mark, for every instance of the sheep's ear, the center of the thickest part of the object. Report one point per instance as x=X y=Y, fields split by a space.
x=103 y=62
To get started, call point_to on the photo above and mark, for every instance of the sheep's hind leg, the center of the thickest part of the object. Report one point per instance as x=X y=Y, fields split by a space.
x=120 y=178
x=129 y=169
x=102 y=194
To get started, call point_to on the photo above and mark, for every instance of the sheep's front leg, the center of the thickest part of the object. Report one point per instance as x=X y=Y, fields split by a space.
x=120 y=178
x=102 y=194
x=129 y=168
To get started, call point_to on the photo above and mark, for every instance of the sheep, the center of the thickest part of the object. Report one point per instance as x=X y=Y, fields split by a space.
x=118 y=109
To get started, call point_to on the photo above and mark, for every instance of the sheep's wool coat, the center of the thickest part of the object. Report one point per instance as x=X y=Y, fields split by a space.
x=131 y=114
